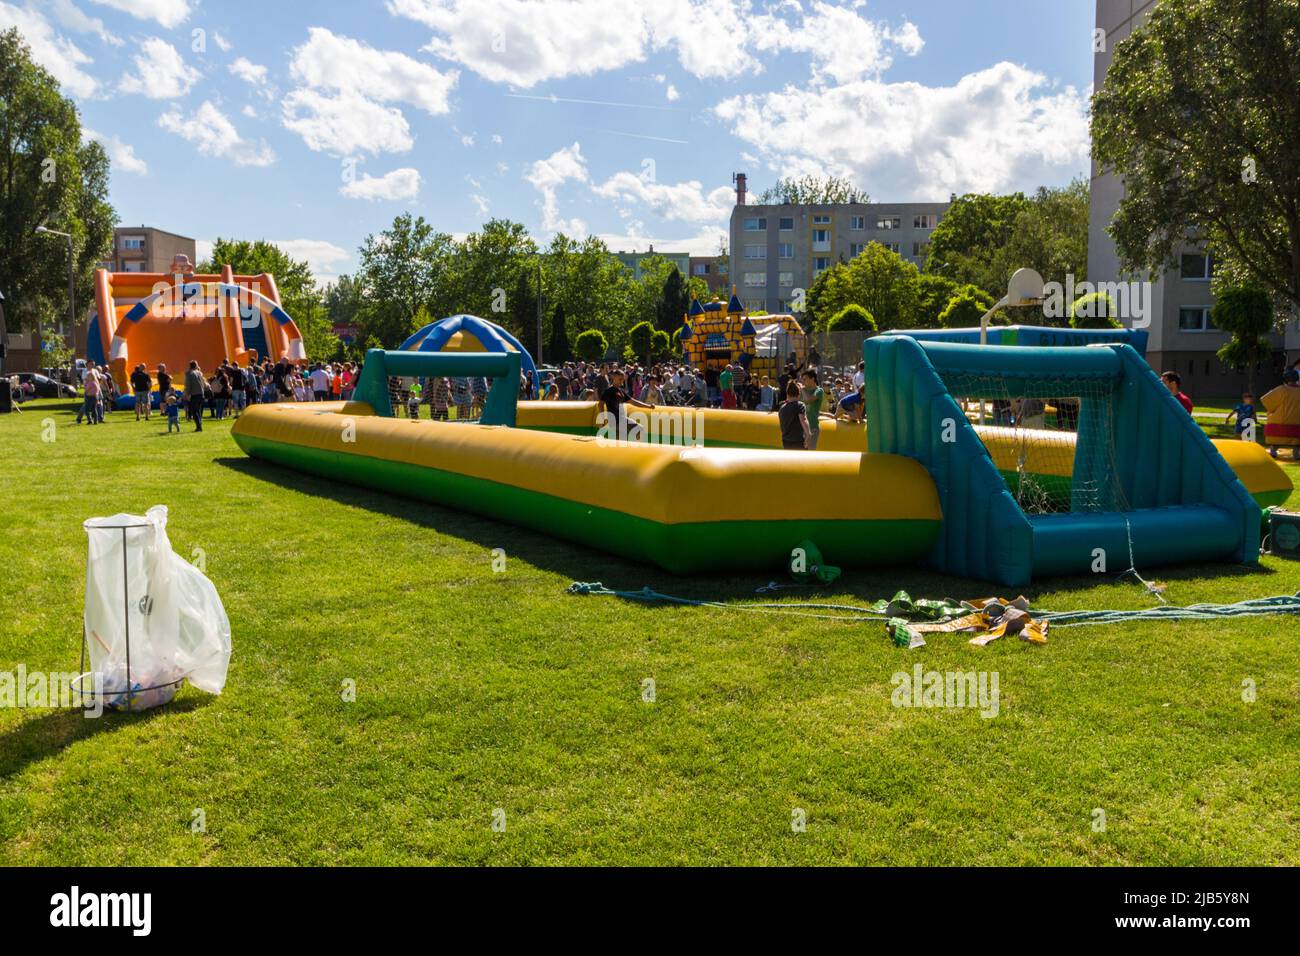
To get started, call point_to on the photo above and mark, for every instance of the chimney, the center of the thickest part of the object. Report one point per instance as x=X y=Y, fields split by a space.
x=739 y=180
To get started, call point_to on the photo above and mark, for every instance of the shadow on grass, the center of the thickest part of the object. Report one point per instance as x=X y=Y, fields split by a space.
x=582 y=564
x=43 y=736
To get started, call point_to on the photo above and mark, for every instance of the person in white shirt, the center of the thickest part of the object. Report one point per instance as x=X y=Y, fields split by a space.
x=859 y=377
x=320 y=383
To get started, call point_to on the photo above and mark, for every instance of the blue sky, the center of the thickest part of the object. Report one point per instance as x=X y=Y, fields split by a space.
x=313 y=124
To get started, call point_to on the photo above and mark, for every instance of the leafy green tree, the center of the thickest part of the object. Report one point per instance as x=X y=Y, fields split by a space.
x=974 y=226
x=965 y=309
x=812 y=190
x=486 y=270
x=591 y=345
x=408 y=266
x=1246 y=314
x=1096 y=310
x=933 y=293
x=641 y=339
x=1198 y=115
x=674 y=301
x=596 y=290
x=661 y=346
x=559 y=350
x=826 y=296
x=885 y=284
x=852 y=318
x=521 y=317
x=47 y=177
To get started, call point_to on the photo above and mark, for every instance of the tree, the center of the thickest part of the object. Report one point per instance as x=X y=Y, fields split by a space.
x=852 y=318
x=521 y=318
x=641 y=339
x=1199 y=116
x=403 y=269
x=674 y=301
x=966 y=308
x=885 y=284
x=485 y=272
x=812 y=191
x=591 y=346
x=826 y=296
x=343 y=304
x=933 y=293
x=1246 y=314
x=47 y=177
x=1096 y=310
x=974 y=226
x=661 y=346
x=559 y=349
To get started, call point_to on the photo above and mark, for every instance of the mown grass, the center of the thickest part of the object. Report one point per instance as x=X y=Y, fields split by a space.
x=478 y=691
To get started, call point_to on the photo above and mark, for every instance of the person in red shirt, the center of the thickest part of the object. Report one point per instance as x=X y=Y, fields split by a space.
x=1173 y=381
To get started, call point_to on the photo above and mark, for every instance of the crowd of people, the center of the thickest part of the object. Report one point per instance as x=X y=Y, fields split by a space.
x=802 y=397
x=223 y=392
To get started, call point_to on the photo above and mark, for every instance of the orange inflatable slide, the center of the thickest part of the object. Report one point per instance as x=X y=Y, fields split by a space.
x=173 y=319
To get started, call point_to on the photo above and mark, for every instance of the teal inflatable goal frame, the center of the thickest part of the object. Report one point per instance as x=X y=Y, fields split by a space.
x=1182 y=502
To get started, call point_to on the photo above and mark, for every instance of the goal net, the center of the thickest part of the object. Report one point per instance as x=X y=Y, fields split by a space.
x=1052 y=440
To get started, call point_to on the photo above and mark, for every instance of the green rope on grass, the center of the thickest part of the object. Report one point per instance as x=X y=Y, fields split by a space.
x=1255 y=607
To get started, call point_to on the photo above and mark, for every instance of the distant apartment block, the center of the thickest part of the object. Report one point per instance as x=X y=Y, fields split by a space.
x=778 y=249
x=146 y=249
x=634 y=260
x=1182 y=336
x=713 y=271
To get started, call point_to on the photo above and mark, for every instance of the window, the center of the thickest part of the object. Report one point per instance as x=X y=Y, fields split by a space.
x=920 y=249
x=135 y=243
x=783 y=305
x=754 y=305
x=821 y=263
x=785 y=223
x=136 y=266
x=786 y=250
x=924 y=221
x=889 y=222
x=1197 y=267
x=1195 y=318
x=821 y=240
x=856 y=249
x=785 y=278
x=857 y=223
x=701 y=269
x=758 y=279
x=756 y=251
x=821 y=220
x=755 y=224
x=891 y=246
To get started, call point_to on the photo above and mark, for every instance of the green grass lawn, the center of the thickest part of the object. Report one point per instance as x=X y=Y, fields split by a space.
x=478 y=691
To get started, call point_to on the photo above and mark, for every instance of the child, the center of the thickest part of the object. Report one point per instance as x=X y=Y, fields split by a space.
x=172 y=405
x=1245 y=412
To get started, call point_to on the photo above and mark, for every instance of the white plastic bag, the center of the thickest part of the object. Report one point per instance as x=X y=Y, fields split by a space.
x=137 y=585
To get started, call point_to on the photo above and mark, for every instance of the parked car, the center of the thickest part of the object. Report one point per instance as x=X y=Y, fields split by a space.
x=42 y=386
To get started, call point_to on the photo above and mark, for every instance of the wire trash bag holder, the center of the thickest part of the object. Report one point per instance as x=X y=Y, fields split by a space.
x=152 y=620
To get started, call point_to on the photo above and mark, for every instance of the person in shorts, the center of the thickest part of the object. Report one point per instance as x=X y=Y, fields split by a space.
x=141 y=385
x=793 y=418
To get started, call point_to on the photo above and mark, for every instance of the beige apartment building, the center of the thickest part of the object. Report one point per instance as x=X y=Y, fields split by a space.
x=146 y=249
x=779 y=249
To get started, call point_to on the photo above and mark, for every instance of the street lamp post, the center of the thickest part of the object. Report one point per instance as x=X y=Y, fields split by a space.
x=72 y=304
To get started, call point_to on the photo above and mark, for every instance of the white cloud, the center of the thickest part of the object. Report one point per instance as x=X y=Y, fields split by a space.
x=213 y=134
x=496 y=138
x=467 y=139
x=167 y=13
x=341 y=64
x=1000 y=128
x=671 y=93
x=72 y=17
x=248 y=71
x=399 y=184
x=121 y=155
x=547 y=175
x=159 y=72
x=526 y=42
x=345 y=123
x=249 y=111
x=222 y=43
x=203 y=249
x=481 y=202
x=843 y=45
x=681 y=201
x=325 y=258
x=63 y=58
x=638 y=239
